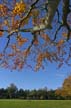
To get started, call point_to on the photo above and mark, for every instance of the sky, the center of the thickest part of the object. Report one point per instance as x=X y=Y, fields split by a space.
x=51 y=77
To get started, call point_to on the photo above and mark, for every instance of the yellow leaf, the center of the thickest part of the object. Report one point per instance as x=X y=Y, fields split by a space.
x=64 y=34
x=20 y=7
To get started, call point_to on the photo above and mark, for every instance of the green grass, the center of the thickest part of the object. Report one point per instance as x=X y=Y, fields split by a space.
x=35 y=104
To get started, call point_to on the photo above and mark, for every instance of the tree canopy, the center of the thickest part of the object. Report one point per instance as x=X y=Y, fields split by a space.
x=65 y=90
x=34 y=31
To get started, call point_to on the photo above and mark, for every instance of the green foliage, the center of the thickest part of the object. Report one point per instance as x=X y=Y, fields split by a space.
x=12 y=90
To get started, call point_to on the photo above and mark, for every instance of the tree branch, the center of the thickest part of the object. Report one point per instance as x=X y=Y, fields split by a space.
x=48 y=19
x=66 y=11
x=28 y=13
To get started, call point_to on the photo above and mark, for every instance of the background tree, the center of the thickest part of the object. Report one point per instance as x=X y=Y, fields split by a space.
x=12 y=90
x=58 y=93
x=21 y=94
x=65 y=90
x=33 y=94
x=36 y=31
x=3 y=93
x=42 y=94
x=51 y=95
x=66 y=87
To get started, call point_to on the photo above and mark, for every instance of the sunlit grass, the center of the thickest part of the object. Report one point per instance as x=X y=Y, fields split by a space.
x=35 y=103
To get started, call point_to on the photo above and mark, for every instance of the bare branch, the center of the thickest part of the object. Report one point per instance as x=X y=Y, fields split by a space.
x=66 y=11
x=8 y=41
x=3 y=30
x=57 y=32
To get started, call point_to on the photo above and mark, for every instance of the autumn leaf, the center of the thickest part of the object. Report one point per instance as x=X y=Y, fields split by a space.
x=20 y=65
x=1 y=55
x=13 y=46
x=45 y=37
x=60 y=43
x=64 y=34
x=1 y=33
x=21 y=40
x=48 y=56
x=19 y=8
x=11 y=54
x=6 y=23
x=40 y=57
x=26 y=52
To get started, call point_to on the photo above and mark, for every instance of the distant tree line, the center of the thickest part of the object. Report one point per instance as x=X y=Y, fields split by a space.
x=12 y=92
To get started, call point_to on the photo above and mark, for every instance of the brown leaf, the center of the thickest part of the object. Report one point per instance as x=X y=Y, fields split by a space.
x=60 y=43
x=21 y=40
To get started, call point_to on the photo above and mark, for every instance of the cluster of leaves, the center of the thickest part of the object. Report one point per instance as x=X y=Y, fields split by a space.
x=19 y=8
x=65 y=91
x=15 y=18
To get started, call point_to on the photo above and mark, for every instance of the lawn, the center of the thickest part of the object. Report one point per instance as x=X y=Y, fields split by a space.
x=35 y=104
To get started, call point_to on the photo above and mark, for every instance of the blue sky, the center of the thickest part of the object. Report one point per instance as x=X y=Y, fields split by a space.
x=51 y=77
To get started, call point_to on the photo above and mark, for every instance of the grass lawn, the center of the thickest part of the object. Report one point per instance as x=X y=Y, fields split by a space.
x=35 y=103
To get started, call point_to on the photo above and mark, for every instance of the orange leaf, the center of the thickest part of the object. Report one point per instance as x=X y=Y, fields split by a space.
x=1 y=33
x=11 y=55
x=1 y=55
x=60 y=43
x=45 y=37
x=21 y=40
